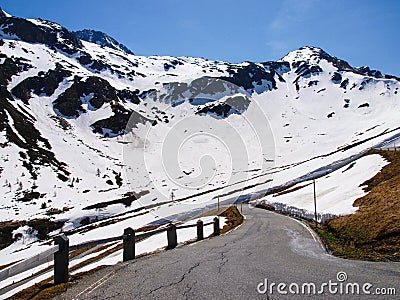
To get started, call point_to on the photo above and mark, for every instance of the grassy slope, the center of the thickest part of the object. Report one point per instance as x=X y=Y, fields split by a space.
x=373 y=232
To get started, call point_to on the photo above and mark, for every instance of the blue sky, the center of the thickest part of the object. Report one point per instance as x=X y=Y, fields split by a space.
x=361 y=32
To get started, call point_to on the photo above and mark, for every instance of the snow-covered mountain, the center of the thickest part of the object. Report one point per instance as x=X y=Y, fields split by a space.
x=89 y=131
x=102 y=39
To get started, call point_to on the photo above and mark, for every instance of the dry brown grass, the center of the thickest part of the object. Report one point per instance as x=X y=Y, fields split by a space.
x=289 y=190
x=373 y=232
x=265 y=206
x=42 y=290
x=234 y=218
x=147 y=228
x=47 y=290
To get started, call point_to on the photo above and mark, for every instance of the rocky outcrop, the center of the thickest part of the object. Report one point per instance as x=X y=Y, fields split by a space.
x=43 y=83
x=251 y=74
x=118 y=122
x=93 y=91
x=41 y=32
x=102 y=39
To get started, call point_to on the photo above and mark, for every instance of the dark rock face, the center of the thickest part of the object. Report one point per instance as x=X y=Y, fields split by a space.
x=344 y=83
x=279 y=67
x=363 y=105
x=251 y=75
x=102 y=39
x=117 y=123
x=94 y=64
x=36 y=149
x=392 y=77
x=128 y=95
x=44 y=83
x=367 y=71
x=221 y=110
x=69 y=103
x=172 y=64
x=233 y=105
x=330 y=115
x=179 y=92
x=168 y=66
x=98 y=65
x=85 y=59
x=365 y=83
x=49 y=33
x=10 y=67
x=2 y=14
x=342 y=65
x=312 y=82
x=336 y=78
x=304 y=69
x=95 y=92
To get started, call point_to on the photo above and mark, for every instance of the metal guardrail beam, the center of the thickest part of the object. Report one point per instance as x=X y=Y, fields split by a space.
x=149 y=233
x=95 y=243
x=186 y=226
x=28 y=263
x=209 y=223
x=47 y=255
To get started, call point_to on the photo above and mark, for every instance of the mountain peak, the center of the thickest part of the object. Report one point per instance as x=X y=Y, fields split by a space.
x=312 y=54
x=102 y=39
x=3 y=14
x=304 y=54
x=40 y=31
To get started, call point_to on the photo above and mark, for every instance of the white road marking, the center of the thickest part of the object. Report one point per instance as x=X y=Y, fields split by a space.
x=96 y=284
x=317 y=240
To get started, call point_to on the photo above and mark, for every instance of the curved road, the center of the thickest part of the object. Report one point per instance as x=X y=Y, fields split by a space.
x=266 y=246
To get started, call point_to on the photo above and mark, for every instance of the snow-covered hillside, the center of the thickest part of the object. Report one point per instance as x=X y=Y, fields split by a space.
x=91 y=132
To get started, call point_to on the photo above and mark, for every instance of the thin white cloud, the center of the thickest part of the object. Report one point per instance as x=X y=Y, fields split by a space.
x=277 y=48
x=286 y=21
x=291 y=13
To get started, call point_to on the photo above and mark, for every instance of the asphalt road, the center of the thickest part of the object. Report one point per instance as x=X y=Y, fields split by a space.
x=266 y=246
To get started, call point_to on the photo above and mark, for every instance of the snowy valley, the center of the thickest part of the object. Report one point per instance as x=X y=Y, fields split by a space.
x=95 y=138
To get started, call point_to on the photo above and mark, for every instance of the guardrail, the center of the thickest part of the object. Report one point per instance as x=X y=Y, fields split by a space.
x=28 y=263
x=61 y=249
x=390 y=147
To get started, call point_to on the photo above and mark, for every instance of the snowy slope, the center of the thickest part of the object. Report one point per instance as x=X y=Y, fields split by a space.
x=90 y=133
x=335 y=192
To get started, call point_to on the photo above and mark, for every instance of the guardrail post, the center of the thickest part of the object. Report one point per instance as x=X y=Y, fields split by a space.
x=129 y=244
x=171 y=235
x=61 y=259
x=216 y=226
x=200 y=233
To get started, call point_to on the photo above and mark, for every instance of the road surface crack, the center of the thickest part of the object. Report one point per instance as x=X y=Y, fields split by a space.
x=176 y=282
x=189 y=289
x=223 y=259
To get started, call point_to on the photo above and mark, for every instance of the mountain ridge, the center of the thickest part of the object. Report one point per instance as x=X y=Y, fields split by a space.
x=102 y=39
x=71 y=111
